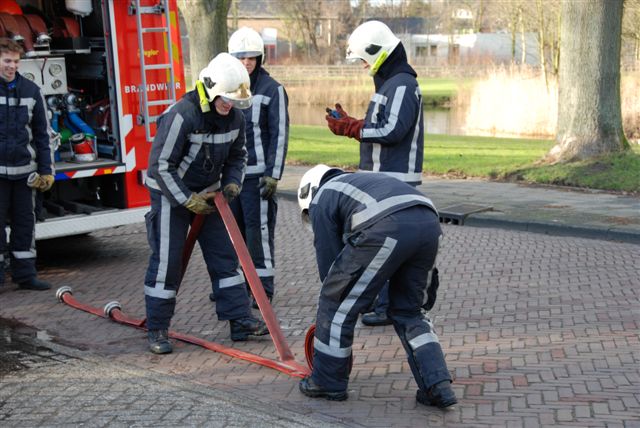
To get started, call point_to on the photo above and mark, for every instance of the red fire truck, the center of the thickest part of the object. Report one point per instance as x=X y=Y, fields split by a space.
x=107 y=69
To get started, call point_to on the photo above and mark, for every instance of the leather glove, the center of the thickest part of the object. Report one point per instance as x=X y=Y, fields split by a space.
x=268 y=186
x=39 y=182
x=199 y=204
x=345 y=124
x=230 y=192
x=46 y=181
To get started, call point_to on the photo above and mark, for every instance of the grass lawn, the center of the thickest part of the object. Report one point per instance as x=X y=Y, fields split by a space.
x=439 y=90
x=486 y=157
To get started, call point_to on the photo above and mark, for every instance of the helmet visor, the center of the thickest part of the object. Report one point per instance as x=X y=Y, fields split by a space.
x=247 y=54
x=240 y=98
x=240 y=103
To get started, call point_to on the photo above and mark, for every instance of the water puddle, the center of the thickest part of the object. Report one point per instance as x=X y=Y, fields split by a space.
x=21 y=348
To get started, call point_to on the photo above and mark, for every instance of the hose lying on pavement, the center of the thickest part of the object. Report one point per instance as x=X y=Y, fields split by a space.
x=286 y=364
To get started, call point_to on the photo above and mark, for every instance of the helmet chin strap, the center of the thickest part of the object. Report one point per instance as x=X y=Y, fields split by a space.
x=376 y=65
x=202 y=96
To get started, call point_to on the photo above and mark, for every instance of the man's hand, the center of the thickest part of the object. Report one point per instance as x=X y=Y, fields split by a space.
x=200 y=204
x=231 y=191
x=268 y=186
x=345 y=124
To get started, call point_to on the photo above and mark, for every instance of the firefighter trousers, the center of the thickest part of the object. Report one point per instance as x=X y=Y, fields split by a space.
x=167 y=229
x=400 y=248
x=17 y=202
x=256 y=219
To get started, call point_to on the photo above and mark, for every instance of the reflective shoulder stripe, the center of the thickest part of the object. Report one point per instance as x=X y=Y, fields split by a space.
x=346 y=189
x=393 y=117
x=379 y=99
x=163 y=164
x=375 y=208
x=260 y=99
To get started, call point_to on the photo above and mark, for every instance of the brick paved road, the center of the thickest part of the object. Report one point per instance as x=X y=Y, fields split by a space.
x=56 y=389
x=537 y=330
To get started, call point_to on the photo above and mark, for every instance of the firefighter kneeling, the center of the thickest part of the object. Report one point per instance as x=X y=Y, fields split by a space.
x=369 y=228
x=199 y=148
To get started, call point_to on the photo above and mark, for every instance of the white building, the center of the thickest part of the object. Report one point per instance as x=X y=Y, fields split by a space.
x=469 y=48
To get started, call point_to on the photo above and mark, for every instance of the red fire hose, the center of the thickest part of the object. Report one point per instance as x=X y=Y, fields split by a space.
x=287 y=364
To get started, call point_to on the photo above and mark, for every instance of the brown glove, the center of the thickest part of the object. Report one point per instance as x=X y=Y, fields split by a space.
x=200 y=204
x=231 y=191
x=268 y=186
x=345 y=124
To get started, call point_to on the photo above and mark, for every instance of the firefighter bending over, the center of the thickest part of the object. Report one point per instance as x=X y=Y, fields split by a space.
x=198 y=150
x=370 y=228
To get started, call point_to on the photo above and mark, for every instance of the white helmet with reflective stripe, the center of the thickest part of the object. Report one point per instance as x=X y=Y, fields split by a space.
x=246 y=43
x=309 y=184
x=373 y=42
x=225 y=76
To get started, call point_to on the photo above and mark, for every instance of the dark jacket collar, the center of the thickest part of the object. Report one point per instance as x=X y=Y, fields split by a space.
x=395 y=64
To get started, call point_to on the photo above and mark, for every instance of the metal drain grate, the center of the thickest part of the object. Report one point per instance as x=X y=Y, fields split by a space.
x=456 y=214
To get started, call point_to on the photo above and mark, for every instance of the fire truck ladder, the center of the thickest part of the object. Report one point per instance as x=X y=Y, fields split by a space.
x=161 y=8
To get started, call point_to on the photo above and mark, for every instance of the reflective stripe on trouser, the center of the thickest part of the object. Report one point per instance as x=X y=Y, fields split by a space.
x=256 y=218
x=382 y=303
x=400 y=248
x=17 y=201
x=167 y=229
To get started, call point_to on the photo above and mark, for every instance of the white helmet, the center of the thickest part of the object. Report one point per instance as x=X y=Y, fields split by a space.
x=309 y=184
x=373 y=42
x=225 y=76
x=246 y=43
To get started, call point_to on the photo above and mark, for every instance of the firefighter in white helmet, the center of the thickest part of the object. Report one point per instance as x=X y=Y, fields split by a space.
x=267 y=137
x=198 y=150
x=370 y=228
x=391 y=135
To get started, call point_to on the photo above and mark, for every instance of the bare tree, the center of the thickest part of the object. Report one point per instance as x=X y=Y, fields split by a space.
x=631 y=25
x=304 y=17
x=207 y=29
x=589 y=114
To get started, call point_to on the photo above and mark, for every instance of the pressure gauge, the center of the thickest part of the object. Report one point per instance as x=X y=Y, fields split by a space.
x=29 y=76
x=55 y=69
x=56 y=84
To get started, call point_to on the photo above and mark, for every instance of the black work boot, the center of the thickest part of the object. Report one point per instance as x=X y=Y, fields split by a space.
x=159 y=341
x=309 y=388
x=375 y=319
x=34 y=284
x=243 y=328
x=440 y=395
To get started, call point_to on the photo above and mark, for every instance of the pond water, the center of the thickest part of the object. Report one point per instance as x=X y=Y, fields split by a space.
x=436 y=121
